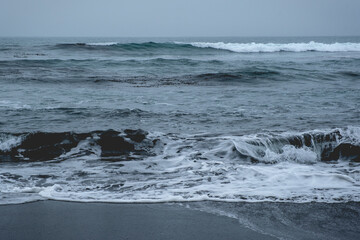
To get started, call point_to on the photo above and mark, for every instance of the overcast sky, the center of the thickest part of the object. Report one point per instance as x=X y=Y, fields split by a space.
x=128 y=18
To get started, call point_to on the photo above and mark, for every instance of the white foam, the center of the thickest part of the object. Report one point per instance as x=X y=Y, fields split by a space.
x=7 y=142
x=292 y=154
x=78 y=151
x=102 y=44
x=278 y=47
x=13 y=105
x=286 y=182
x=351 y=134
x=27 y=190
x=190 y=169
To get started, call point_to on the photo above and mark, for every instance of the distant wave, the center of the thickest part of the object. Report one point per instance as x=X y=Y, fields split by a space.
x=246 y=73
x=243 y=75
x=103 y=44
x=233 y=47
x=124 y=46
x=280 y=47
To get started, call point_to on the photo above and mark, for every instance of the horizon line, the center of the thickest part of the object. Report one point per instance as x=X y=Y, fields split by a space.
x=235 y=36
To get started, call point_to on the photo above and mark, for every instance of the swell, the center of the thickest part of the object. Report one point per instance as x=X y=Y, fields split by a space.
x=52 y=71
x=151 y=62
x=124 y=46
x=220 y=46
x=246 y=73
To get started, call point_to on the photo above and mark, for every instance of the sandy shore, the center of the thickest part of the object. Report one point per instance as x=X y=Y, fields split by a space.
x=68 y=220
x=193 y=220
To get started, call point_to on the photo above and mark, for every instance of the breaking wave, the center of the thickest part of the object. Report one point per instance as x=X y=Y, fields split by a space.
x=308 y=147
x=137 y=166
x=233 y=47
x=280 y=47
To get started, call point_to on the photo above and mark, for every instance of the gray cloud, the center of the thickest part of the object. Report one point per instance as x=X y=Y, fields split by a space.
x=179 y=18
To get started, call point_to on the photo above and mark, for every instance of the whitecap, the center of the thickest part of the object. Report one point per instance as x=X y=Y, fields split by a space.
x=280 y=47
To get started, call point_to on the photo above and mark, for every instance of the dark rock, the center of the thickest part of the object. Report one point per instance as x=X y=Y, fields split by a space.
x=41 y=146
x=344 y=150
x=327 y=153
x=348 y=151
x=296 y=141
x=114 y=145
x=136 y=135
x=307 y=140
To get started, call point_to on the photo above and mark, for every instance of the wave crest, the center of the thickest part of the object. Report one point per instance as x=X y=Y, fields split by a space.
x=280 y=47
x=233 y=47
x=308 y=147
x=182 y=168
x=124 y=46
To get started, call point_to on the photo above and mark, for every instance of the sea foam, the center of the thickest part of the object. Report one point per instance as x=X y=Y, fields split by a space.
x=285 y=167
x=280 y=47
x=102 y=44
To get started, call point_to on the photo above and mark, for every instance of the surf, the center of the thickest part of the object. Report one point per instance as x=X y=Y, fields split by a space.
x=251 y=47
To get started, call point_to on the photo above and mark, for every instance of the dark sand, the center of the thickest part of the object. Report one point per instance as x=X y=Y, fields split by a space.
x=199 y=220
x=317 y=221
x=67 y=220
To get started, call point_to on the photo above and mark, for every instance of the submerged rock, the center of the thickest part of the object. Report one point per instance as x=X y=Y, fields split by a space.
x=136 y=135
x=113 y=145
x=40 y=146
x=347 y=151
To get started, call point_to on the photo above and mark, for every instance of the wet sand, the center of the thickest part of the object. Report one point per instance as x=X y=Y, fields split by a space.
x=69 y=220
x=192 y=220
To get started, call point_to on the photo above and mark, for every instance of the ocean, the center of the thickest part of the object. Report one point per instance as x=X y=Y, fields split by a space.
x=149 y=120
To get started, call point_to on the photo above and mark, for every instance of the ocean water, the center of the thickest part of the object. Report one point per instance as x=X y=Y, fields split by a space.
x=180 y=119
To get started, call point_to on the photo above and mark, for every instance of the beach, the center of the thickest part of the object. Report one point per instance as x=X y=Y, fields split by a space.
x=68 y=220
x=74 y=220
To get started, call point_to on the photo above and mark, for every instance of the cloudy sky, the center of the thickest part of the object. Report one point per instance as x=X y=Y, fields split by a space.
x=128 y=18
